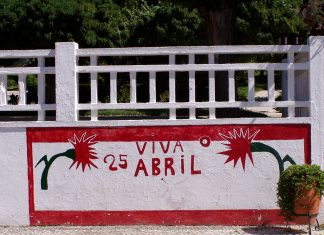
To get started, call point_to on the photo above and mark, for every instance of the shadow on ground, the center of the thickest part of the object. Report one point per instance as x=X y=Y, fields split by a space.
x=273 y=230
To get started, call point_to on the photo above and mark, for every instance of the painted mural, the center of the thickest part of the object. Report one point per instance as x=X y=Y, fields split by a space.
x=174 y=174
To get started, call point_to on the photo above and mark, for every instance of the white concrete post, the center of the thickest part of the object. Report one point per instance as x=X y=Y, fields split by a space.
x=316 y=76
x=66 y=81
x=41 y=88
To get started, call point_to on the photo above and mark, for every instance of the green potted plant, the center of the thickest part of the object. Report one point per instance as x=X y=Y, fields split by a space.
x=299 y=192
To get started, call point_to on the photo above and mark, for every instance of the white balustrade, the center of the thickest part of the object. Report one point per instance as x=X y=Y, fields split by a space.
x=172 y=67
x=67 y=72
x=20 y=101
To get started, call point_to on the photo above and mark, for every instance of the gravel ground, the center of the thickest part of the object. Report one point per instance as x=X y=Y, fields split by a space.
x=155 y=230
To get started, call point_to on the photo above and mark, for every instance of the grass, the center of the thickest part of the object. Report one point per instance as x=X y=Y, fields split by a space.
x=243 y=91
x=126 y=113
x=183 y=114
x=164 y=114
x=120 y=112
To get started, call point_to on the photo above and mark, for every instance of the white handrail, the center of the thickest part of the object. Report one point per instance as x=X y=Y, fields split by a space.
x=67 y=70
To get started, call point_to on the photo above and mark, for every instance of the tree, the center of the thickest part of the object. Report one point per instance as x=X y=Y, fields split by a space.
x=275 y=19
x=246 y=22
x=163 y=24
x=312 y=13
x=101 y=23
x=111 y=23
x=39 y=24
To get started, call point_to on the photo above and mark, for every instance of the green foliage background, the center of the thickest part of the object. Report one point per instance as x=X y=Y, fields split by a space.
x=264 y=22
x=34 y=24
x=98 y=23
x=111 y=23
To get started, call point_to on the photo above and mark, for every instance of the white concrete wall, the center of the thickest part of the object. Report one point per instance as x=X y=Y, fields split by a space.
x=14 y=200
x=14 y=209
x=218 y=186
x=316 y=74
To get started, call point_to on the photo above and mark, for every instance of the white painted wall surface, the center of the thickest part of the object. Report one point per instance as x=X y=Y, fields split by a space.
x=316 y=73
x=219 y=186
x=14 y=208
x=13 y=150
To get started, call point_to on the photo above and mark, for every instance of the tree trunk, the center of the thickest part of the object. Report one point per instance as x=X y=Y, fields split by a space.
x=220 y=20
x=220 y=24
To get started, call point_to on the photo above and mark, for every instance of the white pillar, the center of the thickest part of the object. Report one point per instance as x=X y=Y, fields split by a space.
x=66 y=81
x=316 y=76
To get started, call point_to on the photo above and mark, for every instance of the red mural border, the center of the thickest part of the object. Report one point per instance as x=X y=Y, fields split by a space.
x=159 y=133
x=173 y=217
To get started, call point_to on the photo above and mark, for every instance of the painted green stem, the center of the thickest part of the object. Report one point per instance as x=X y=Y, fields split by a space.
x=260 y=147
x=48 y=163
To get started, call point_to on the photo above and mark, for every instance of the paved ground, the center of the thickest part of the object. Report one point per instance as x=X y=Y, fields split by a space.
x=270 y=112
x=156 y=230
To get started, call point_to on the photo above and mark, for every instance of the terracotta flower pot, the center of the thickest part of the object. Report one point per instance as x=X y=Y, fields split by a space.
x=307 y=204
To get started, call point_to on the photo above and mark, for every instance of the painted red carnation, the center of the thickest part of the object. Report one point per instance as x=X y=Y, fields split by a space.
x=84 y=152
x=239 y=146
